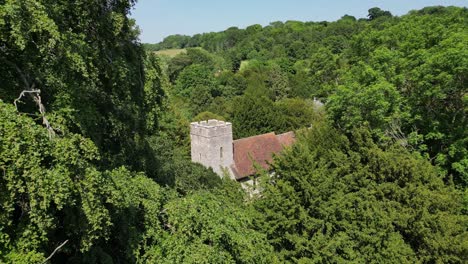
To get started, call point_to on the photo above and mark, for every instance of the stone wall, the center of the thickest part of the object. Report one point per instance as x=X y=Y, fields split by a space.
x=211 y=145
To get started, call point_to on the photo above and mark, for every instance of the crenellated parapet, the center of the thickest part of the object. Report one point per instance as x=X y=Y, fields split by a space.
x=211 y=144
x=211 y=128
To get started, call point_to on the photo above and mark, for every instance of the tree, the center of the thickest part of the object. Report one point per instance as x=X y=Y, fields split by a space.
x=177 y=64
x=174 y=42
x=376 y=12
x=201 y=97
x=203 y=116
x=209 y=228
x=195 y=75
x=278 y=82
x=85 y=59
x=377 y=106
x=52 y=192
x=438 y=101
x=425 y=67
x=299 y=113
x=339 y=199
x=254 y=115
x=231 y=84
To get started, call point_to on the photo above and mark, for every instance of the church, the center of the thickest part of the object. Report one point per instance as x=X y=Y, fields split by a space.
x=212 y=145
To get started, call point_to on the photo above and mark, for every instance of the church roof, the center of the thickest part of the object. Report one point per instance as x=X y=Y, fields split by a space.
x=258 y=150
x=286 y=139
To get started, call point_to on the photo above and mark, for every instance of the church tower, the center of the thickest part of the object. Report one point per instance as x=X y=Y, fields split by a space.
x=211 y=145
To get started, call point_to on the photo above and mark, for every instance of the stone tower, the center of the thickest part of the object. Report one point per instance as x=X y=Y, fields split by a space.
x=211 y=145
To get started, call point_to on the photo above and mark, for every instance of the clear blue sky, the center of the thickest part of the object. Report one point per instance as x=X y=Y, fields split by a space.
x=158 y=19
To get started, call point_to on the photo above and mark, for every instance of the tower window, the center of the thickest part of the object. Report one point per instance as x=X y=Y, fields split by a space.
x=221 y=152
x=200 y=157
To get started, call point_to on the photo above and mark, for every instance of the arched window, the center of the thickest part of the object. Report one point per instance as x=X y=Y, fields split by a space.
x=221 y=152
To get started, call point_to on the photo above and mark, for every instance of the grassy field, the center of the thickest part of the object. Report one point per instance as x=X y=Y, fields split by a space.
x=170 y=52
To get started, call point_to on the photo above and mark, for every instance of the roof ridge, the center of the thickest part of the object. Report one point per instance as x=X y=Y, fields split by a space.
x=256 y=136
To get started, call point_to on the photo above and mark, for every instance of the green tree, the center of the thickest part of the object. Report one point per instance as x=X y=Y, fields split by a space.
x=52 y=192
x=376 y=12
x=254 y=115
x=278 y=82
x=85 y=59
x=299 y=113
x=177 y=64
x=200 y=99
x=377 y=105
x=209 y=228
x=231 y=84
x=203 y=116
x=195 y=75
x=424 y=67
x=334 y=199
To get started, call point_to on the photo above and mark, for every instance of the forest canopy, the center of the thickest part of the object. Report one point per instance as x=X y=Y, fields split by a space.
x=94 y=138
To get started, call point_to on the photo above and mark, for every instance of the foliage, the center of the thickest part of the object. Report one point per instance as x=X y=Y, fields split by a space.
x=203 y=116
x=194 y=76
x=51 y=192
x=253 y=115
x=173 y=41
x=411 y=81
x=376 y=12
x=299 y=112
x=384 y=182
x=334 y=199
x=206 y=228
x=85 y=59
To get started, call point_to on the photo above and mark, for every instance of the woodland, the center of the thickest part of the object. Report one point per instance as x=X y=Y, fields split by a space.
x=95 y=148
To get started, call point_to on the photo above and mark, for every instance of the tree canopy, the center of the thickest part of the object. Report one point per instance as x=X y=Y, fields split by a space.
x=94 y=138
x=338 y=199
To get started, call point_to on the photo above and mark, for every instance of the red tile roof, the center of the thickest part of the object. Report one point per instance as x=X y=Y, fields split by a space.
x=258 y=149
x=286 y=139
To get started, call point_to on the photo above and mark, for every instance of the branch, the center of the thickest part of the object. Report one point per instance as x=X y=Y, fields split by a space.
x=55 y=251
x=23 y=94
x=394 y=132
x=20 y=72
x=35 y=94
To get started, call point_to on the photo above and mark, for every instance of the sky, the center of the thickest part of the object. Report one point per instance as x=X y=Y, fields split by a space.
x=158 y=19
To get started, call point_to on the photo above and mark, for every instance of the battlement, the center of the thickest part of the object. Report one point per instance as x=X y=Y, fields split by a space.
x=211 y=144
x=211 y=128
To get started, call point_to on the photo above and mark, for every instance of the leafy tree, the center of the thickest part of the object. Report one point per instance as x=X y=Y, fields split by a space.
x=297 y=50
x=334 y=199
x=173 y=41
x=203 y=116
x=209 y=228
x=343 y=194
x=52 y=193
x=377 y=105
x=254 y=115
x=437 y=96
x=299 y=113
x=376 y=12
x=85 y=59
x=177 y=64
x=202 y=57
x=424 y=66
x=201 y=98
x=278 y=82
x=193 y=76
x=231 y=84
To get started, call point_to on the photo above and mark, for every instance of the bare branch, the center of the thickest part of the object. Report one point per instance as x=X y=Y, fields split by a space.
x=23 y=94
x=35 y=94
x=394 y=132
x=55 y=251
